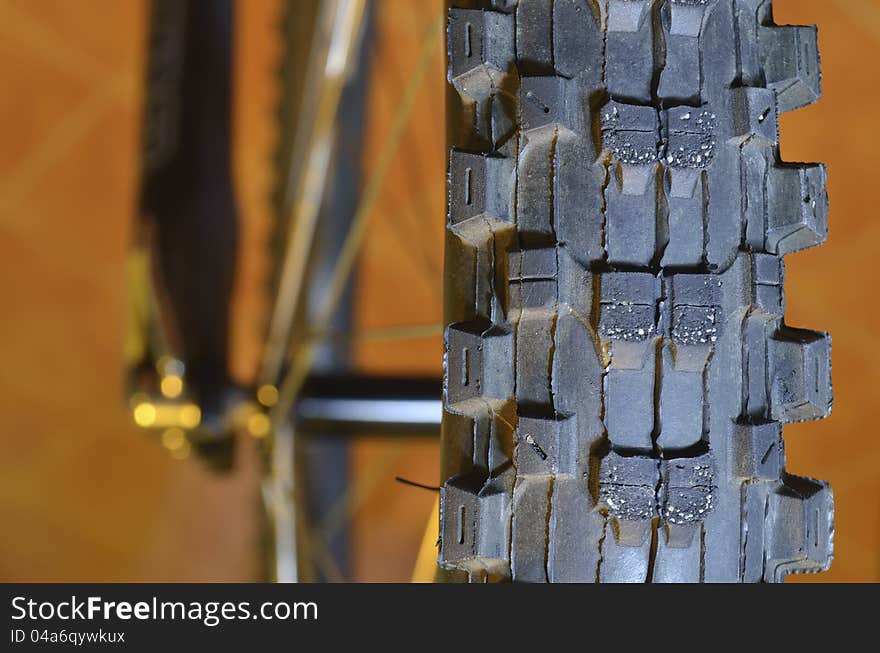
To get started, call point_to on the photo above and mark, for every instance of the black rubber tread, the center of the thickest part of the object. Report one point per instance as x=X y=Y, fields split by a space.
x=617 y=366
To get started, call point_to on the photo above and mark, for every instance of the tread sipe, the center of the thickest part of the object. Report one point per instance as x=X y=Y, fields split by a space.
x=617 y=365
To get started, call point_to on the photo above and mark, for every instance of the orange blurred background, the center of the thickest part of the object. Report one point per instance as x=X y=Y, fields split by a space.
x=85 y=496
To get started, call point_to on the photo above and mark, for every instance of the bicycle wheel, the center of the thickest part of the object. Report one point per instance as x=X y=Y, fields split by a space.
x=617 y=366
x=321 y=465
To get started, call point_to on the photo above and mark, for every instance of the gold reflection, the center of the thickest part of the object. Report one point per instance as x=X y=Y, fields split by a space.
x=171 y=386
x=267 y=395
x=259 y=425
x=190 y=416
x=182 y=452
x=145 y=414
x=173 y=438
x=167 y=415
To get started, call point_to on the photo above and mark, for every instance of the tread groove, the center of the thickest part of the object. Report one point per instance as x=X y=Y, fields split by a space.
x=627 y=282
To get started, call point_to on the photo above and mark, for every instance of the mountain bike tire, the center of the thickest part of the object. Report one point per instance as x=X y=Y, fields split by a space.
x=617 y=368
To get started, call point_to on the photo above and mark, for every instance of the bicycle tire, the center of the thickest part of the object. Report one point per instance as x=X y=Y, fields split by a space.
x=617 y=368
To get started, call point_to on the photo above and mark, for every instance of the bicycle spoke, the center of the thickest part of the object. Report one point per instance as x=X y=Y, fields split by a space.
x=356 y=494
x=316 y=135
x=403 y=222
x=416 y=178
x=304 y=356
x=279 y=498
x=20 y=27
x=320 y=536
x=325 y=561
x=864 y=13
x=382 y=334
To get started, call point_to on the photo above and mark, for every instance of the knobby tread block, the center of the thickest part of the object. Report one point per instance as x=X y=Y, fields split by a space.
x=617 y=366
